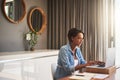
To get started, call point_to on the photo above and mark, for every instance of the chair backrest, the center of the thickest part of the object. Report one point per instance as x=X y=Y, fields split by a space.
x=53 y=69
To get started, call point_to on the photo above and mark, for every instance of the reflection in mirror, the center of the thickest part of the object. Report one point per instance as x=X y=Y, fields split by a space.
x=14 y=10
x=37 y=20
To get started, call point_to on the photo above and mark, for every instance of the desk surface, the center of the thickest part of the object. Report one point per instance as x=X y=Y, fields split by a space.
x=114 y=76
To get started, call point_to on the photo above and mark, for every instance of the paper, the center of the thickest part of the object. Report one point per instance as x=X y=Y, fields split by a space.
x=77 y=77
x=100 y=76
x=82 y=76
x=88 y=76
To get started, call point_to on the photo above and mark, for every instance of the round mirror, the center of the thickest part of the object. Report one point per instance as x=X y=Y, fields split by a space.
x=37 y=20
x=14 y=10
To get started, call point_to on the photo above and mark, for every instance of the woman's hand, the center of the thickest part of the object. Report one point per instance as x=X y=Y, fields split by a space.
x=89 y=63
x=100 y=63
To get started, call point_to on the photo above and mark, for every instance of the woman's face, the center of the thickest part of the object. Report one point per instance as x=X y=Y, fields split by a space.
x=77 y=40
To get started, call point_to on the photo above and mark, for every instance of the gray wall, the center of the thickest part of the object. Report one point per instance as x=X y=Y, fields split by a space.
x=12 y=35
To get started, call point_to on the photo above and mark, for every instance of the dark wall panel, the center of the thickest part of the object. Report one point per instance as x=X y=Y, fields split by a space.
x=12 y=35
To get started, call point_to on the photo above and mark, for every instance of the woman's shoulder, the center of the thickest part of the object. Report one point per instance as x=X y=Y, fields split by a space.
x=63 y=47
x=66 y=46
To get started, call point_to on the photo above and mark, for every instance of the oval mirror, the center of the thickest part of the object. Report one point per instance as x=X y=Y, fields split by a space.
x=14 y=10
x=37 y=20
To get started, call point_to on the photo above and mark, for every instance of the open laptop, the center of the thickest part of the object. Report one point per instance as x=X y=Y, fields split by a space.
x=110 y=59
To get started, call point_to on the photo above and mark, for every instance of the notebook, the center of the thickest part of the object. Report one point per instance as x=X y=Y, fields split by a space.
x=110 y=59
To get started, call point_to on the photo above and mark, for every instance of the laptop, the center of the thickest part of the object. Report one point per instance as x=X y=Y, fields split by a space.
x=110 y=59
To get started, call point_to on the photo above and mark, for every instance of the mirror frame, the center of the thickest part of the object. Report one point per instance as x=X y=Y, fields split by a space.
x=44 y=21
x=21 y=18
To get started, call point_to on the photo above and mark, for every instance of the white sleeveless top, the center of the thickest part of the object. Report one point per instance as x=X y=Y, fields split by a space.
x=75 y=62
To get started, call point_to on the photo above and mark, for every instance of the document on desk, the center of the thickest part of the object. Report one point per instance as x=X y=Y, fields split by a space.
x=88 y=76
x=77 y=78
x=82 y=76
x=100 y=76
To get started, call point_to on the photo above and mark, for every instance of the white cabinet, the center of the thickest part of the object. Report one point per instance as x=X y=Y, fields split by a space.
x=36 y=68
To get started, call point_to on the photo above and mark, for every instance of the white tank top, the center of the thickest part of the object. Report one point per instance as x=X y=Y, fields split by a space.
x=75 y=62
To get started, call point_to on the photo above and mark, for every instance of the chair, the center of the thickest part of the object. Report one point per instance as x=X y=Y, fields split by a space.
x=53 y=69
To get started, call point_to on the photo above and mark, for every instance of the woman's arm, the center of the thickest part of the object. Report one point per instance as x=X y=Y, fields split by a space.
x=78 y=67
x=65 y=60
